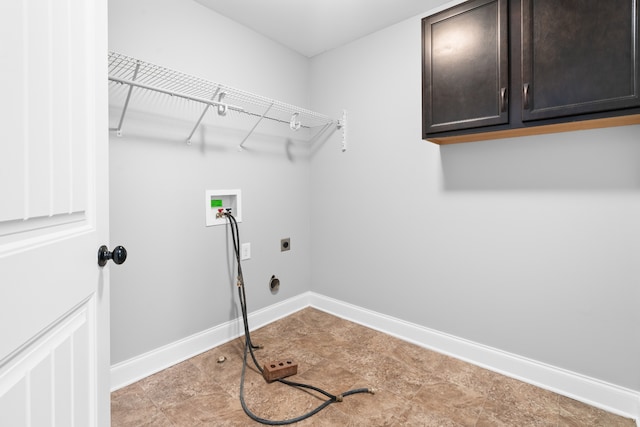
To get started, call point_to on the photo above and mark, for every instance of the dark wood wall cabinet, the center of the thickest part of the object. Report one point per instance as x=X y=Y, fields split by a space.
x=504 y=68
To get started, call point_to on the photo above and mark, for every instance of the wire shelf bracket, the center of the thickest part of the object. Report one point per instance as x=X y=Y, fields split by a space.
x=254 y=127
x=342 y=125
x=145 y=76
x=206 y=107
x=126 y=102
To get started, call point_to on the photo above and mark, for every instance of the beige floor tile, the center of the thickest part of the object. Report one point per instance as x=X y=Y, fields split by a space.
x=574 y=414
x=132 y=408
x=455 y=402
x=177 y=383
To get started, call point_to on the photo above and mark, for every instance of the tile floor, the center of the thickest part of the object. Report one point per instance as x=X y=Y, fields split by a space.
x=414 y=386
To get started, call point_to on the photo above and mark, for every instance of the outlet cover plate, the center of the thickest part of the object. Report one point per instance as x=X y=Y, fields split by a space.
x=245 y=251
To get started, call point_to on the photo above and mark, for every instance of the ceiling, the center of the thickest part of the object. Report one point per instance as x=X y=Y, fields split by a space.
x=311 y=27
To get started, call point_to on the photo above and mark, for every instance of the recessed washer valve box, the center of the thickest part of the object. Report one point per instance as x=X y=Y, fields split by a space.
x=217 y=202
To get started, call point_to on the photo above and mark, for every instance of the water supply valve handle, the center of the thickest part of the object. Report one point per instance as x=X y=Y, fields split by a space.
x=119 y=255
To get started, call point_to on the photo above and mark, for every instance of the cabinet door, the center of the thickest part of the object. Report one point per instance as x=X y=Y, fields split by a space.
x=465 y=68
x=578 y=56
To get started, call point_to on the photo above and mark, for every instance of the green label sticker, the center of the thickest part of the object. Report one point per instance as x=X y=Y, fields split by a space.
x=216 y=203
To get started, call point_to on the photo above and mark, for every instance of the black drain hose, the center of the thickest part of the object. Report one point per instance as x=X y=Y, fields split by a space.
x=249 y=347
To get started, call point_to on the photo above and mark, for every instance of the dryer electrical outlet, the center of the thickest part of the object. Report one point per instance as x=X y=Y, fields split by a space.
x=217 y=201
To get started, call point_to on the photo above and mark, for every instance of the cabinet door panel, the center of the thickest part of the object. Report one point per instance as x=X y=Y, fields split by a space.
x=579 y=56
x=465 y=68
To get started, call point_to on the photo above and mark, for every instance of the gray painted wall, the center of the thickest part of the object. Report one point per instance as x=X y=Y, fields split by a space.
x=178 y=279
x=528 y=245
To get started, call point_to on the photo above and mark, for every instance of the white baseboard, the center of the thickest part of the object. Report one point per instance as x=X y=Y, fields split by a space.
x=610 y=397
x=139 y=367
x=606 y=396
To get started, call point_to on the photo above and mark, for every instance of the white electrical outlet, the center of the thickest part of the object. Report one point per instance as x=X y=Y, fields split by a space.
x=245 y=251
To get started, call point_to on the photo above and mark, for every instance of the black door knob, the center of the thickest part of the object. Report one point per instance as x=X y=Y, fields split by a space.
x=119 y=255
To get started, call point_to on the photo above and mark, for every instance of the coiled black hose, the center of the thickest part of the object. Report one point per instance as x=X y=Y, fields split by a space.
x=249 y=347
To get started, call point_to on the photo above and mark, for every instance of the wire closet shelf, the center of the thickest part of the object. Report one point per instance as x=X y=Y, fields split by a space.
x=141 y=75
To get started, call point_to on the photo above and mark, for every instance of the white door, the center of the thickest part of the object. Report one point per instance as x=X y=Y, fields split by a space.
x=54 y=298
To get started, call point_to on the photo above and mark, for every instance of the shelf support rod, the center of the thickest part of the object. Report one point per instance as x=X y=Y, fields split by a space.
x=126 y=102
x=177 y=94
x=254 y=127
x=322 y=130
x=206 y=108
